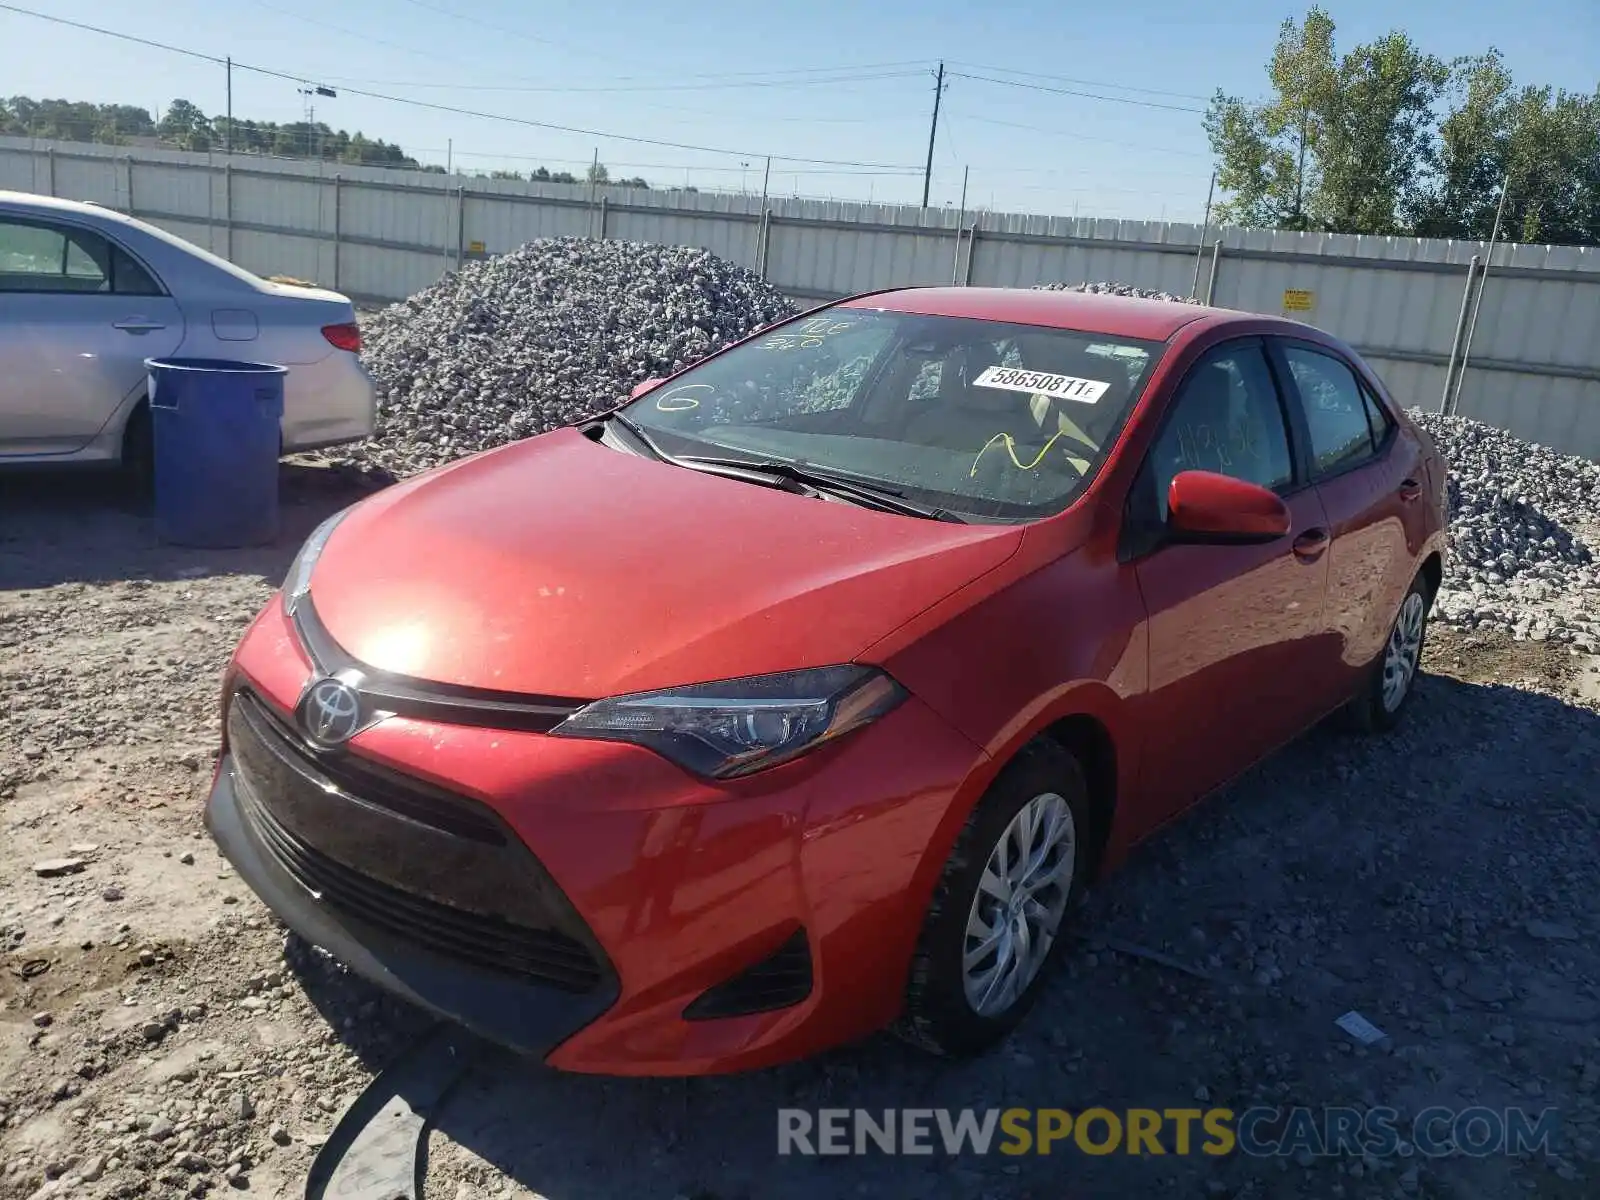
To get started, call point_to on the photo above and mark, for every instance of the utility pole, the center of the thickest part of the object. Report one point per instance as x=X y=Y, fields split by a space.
x=449 y=155
x=1205 y=226
x=933 y=132
x=1300 y=171
x=1483 y=277
x=227 y=132
x=961 y=216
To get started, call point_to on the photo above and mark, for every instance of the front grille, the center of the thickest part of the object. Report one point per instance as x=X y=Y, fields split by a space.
x=485 y=942
x=373 y=784
x=780 y=980
x=411 y=861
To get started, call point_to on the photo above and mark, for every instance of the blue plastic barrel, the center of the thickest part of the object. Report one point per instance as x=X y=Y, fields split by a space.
x=215 y=426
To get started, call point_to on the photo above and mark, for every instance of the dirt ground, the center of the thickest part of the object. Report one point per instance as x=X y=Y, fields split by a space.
x=160 y=1037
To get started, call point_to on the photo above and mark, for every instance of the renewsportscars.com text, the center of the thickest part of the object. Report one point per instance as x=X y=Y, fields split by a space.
x=1259 y=1132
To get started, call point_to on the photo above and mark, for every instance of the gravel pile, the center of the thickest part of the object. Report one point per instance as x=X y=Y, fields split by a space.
x=521 y=343
x=1523 y=519
x=1114 y=289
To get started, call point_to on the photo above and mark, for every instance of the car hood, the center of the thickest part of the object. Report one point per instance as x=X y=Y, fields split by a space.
x=559 y=567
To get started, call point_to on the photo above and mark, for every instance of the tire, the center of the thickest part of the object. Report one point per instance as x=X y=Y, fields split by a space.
x=1378 y=706
x=940 y=1013
x=138 y=457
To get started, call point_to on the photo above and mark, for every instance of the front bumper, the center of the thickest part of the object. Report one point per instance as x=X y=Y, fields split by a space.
x=676 y=885
x=526 y=1017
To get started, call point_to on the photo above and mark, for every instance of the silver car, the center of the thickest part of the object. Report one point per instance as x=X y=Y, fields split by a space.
x=87 y=294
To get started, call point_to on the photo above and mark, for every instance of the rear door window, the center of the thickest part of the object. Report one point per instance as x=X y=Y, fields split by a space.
x=1336 y=409
x=40 y=257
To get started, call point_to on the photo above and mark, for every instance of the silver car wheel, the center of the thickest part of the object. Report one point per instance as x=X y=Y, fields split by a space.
x=1022 y=896
x=1404 y=649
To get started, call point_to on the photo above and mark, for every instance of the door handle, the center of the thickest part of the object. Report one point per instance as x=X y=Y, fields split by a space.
x=1410 y=489
x=1308 y=547
x=137 y=325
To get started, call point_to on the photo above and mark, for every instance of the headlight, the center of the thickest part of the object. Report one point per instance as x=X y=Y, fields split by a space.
x=297 y=583
x=739 y=726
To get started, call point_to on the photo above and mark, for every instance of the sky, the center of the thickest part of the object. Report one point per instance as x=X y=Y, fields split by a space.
x=1049 y=107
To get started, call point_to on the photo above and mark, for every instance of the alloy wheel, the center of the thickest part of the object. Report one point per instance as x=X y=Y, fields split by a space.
x=1404 y=649
x=1021 y=899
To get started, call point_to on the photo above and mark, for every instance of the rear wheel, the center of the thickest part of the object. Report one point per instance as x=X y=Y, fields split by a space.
x=138 y=455
x=1018 y=869
x=1392 y=677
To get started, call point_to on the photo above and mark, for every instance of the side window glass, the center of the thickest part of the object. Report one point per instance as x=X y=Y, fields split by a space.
x=128 y=278
x=39 y=258
x=1378 y=418
x=1335 y=408
x=1226 y=418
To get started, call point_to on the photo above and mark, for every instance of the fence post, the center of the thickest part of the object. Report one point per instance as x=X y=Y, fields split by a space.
x=129 y=160
x=766 y=240
x=461 y=225
x=338 y=225
x=50 y=170
x=1461 y=328
x=972 y=248
x=1216 y=261
x=227 y=209
x=603 y=203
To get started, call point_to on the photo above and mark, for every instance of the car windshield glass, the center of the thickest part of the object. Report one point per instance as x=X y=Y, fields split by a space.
x=986 y=419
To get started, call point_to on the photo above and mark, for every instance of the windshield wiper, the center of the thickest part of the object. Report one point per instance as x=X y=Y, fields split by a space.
x=640 y=436
x=873 y=495
x=794 y=477
x=750 y=472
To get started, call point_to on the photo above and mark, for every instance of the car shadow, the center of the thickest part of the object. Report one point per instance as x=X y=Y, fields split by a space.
x=90 y=527
x=1210 y=972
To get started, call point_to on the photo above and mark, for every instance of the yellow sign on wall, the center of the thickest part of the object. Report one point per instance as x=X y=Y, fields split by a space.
x=1296 y=300
x=474 y=247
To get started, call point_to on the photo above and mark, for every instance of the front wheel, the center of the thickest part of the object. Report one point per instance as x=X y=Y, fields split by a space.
x=1019 y=867
x=1393 y=676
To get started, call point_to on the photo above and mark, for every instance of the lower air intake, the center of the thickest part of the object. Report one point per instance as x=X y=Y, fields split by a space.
x=780 y=980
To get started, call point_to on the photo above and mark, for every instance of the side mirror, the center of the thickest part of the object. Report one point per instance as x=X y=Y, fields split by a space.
x=1203 y=506
x=644 y=386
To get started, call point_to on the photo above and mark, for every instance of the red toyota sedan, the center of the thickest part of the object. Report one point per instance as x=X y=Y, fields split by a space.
x=803 y=694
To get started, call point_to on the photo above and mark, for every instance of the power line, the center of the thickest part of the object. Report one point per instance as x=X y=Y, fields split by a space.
x=1095 y=83
x=1039 y=87
x=752 y=79
x=649 y=87
x=447 y=108
x=319 y=23
x=908 y=172
x=1084 y=137
x=495 y=28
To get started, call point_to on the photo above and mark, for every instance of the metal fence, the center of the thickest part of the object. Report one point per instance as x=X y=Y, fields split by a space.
x=379 y=235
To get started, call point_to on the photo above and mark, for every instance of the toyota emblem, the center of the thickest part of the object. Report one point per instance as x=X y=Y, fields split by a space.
x=331 y=712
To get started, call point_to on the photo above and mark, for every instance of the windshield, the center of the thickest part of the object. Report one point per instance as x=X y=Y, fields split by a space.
x=985 y=419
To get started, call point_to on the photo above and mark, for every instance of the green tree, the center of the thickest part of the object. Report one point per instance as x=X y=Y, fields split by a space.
x=1553 y=161
x=1546 y=142
x=185 y=126
x=1376 y=135
x=1468 y=159
x=597 y=173
x=1266 y=153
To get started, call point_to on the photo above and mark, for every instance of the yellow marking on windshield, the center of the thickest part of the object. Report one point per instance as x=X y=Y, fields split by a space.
x=807 y=335
x=1011 y=449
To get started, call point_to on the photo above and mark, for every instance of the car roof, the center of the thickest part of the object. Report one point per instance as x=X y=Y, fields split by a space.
x=34 y=200
x=1092 y=312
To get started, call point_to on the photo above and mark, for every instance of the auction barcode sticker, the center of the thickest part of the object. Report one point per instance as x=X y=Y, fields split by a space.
x=1068 y=387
